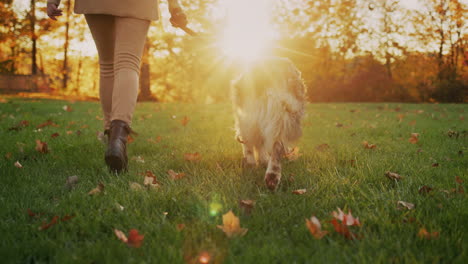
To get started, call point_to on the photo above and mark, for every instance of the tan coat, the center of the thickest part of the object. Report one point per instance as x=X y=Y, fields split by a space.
x=142 y=9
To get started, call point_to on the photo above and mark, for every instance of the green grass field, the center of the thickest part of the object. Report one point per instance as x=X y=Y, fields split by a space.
x=343 y=174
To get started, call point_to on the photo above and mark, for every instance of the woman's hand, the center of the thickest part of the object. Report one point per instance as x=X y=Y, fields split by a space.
x=178 y=17
x=53 y=11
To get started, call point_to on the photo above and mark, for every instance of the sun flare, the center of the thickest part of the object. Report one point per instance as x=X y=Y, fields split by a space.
x=248 y=33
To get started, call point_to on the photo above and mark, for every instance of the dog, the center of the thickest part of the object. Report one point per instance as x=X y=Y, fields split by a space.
x=268 y=102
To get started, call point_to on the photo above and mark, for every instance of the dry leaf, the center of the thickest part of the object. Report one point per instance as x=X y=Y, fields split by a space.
x=315 y=227
x=231 y=225
x=204 y=258
x=22 y=124
x=185 y=121
x=414 y=138
x=192 y=156
x=347 y=219
x=130 y=139
x=47 y=123
x=176 y=175
x=54 y=135
x=8 y=155
x=424 y=234
x=67 y=217
x=368 y=146
x=18 y=165
x=134 y=239
x=45 y=226
x=156 y=140
x=247 y=205
x=69 y=132
x=299 y=192
x=180 y=227
x=393 y=176
x=97 y=190
x=425 y=189
x=67 y=108
x=402 y=204
x=41 y=146
x=150 y=180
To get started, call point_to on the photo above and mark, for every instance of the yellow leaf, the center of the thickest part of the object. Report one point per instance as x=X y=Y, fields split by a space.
x=231 y=225
x=315 y=227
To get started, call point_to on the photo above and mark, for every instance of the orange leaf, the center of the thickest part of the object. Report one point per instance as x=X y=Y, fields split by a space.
x=247 y=205
x=192 y=156
x=347 y=219
x=150 y=180
x=425 y=189
x=54 y=135
x=134 y=239
x=299 y=192
x=423 y=233
x=67 y=108
x=130 y=139
x=414 y=138
x=368 y=146
x=185 y=121
x=176 y=175
x=204 y=258
x=45 y=226
x=47 y=123
x=97 y=190
x=231 y=225
x=41 y=146
x=180 y=227
x=315 y=227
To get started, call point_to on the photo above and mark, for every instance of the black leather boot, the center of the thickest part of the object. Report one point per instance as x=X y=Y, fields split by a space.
x=116 y=154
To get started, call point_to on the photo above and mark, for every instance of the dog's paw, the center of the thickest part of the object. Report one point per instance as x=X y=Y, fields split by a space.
x=272 y=180
x=246 y=164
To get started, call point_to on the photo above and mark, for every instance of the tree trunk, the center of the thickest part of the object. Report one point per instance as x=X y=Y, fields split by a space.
x=145 y=83
x=65 y=48
x=33 y=37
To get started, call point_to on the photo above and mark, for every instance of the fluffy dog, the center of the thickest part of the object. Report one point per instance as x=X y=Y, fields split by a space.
x=268 y=100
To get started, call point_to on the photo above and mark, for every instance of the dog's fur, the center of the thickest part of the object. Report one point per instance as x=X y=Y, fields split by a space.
x=268 y=100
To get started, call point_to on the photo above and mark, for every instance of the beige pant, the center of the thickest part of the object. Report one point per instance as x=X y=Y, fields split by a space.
x=119 y=42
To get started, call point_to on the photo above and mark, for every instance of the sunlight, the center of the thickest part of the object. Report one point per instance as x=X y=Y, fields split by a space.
x=248 y=32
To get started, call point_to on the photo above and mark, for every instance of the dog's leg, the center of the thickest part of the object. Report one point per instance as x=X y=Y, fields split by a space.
x=249 y=157
x=262 y=155
x=273 y=173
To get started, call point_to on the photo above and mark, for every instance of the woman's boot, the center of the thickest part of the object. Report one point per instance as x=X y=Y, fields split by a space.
x=116 y=154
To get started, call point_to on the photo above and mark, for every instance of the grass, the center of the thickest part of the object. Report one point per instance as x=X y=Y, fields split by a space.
x=345 y=175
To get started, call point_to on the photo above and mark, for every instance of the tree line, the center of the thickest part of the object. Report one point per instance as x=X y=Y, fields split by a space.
x=347 y=50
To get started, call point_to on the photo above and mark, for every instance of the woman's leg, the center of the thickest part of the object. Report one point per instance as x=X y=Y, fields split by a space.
x=102 y=29
x=130 y=36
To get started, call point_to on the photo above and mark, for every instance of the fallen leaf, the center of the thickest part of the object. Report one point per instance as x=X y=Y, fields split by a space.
x=120 y=235
x=414 y=138
x=192 y=156
x=22 y=124
x=247 y=206
x=342 y=229
x=54 y=135
x=435 y=165
x=150 y=180
x=402 y=204
x=176 y=175
x=69 y=132
x=71 y=182
x=423 y=233
x=347 y=219
x=368 y=146
x=18 y=165
x=47 y=123
x=315 y=227
x=156 y=140
x=41 y=146
x=393 y=176
x=299 y=191
x=45 y=226
x=293 y=154
x=184 y=120
x=134 y=239
x=180 y=227
x=8 y=155
x=31 y=213
x=412 y=123
x=130 y=139
x=97 y=190
x=231 y=225
x=67 y=108
x=425 y=189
